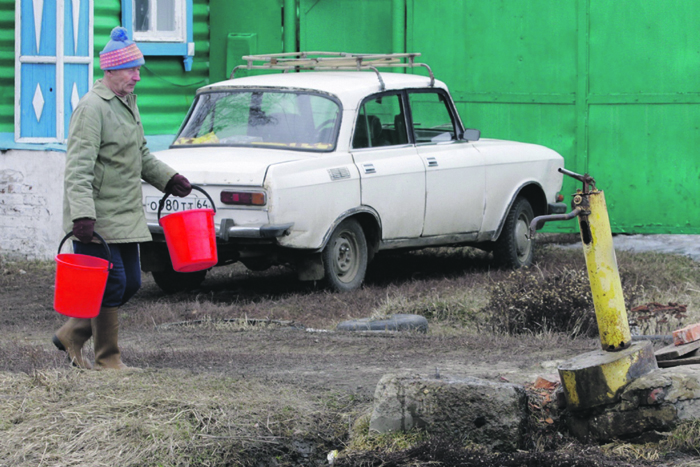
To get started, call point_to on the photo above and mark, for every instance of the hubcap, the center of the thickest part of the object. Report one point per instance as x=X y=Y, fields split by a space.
x=522 y=242
x=345 y=249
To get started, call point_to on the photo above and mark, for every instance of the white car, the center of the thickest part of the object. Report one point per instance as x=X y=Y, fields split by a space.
x=322 y=169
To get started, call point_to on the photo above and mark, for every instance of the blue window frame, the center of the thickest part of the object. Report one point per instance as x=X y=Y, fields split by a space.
x=161 y=27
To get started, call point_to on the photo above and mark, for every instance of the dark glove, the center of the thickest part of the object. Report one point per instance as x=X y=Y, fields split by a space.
x=178 y=186
x=83 y=229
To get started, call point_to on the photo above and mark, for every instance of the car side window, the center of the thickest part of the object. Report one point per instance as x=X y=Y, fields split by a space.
x=432 y=119
x=380 y=122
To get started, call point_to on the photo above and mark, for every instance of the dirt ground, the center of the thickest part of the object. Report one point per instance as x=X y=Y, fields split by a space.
x=295 y=346
x=290 y=337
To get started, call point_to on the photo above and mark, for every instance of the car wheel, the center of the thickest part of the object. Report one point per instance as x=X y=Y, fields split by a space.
x=345 y=257
x=514 y=247
x=171 y=281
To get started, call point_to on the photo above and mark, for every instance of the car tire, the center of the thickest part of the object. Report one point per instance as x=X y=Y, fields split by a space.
x=514 y=248
x=345 y=257
x=171 y=281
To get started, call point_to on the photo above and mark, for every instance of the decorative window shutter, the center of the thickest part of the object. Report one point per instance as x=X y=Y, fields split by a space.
x=53 y=66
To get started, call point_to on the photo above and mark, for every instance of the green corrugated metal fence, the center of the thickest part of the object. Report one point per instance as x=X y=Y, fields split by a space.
x=613 y=86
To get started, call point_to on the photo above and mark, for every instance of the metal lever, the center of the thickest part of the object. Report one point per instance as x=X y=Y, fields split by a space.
x=539 y=221
x=588 y=183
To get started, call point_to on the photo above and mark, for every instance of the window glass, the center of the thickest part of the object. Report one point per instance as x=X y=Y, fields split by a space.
x=259 y=118
x=166 y=15
x=432 y=120
x=141 y=15
x=159 y=20
x=380 y=122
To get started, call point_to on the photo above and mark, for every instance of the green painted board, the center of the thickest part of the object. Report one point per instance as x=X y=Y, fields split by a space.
x=345 y=26
x=645 y=158
x=261 y=18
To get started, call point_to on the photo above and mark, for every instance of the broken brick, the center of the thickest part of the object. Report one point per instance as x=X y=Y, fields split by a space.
x=687 y=334
x=546 y=382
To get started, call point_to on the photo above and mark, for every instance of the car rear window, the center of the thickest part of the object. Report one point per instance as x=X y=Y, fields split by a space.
x=262 y=118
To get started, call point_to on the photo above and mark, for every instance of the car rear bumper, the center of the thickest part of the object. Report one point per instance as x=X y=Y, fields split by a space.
x=556 y=208
x=227 y=230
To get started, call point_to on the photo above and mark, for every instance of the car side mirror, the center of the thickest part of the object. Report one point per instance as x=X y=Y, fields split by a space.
x=471 y=135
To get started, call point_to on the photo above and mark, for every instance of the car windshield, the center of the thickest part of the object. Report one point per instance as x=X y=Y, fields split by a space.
x=262 y=118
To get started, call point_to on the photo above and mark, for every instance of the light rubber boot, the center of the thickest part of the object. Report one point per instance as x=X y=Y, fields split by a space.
x=71 y=337
x=105 y=334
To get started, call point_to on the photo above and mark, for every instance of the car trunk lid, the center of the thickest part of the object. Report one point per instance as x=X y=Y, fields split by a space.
x=226 y=166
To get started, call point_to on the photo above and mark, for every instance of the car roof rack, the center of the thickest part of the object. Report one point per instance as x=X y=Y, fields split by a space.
x=295 y=61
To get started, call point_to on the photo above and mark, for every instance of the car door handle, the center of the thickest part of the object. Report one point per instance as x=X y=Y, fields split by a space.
x=432 y=162
x=369 y=168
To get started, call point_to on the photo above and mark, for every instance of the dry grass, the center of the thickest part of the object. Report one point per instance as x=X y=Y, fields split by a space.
x=78 y=418
x=685 y=438
x=201 y=416
x=362 y=439
x=663 y=279
x=535 y=301
x=451 y=307
x=682 y=445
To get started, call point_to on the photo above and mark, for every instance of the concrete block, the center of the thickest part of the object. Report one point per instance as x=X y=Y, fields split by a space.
x=612 y=425
x=491 y=414
x=654 y=402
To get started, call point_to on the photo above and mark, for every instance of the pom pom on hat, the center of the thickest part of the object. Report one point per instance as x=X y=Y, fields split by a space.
x=119 y=34
x=120 y=52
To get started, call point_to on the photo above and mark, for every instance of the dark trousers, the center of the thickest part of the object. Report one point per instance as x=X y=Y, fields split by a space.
x=124 y=278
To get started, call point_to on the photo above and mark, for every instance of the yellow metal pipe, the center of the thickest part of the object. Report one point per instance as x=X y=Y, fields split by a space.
x=597 y=378
x=603 y=274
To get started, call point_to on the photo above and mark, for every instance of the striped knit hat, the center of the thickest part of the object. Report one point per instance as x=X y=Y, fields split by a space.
x=120 y=52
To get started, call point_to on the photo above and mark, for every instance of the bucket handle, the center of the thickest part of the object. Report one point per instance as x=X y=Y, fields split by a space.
x=94 y=234
x=161 y=203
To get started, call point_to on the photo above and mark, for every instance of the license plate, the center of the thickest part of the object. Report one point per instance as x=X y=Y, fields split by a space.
x=176 y=204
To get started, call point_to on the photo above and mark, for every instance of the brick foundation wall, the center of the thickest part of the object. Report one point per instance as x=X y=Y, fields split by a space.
x=31 y=203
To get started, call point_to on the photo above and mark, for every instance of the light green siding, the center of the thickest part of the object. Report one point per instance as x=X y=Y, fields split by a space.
x=7 y=66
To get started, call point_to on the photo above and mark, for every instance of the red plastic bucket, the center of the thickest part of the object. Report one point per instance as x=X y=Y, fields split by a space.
x=190 y=236
x=80 y=282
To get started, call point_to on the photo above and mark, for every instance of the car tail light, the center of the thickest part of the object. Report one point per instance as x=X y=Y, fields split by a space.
x=560 y=198
x=243 y=198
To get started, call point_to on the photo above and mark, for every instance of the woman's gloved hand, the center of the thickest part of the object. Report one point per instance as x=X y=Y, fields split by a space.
x=178 y=186
x=83 y=229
